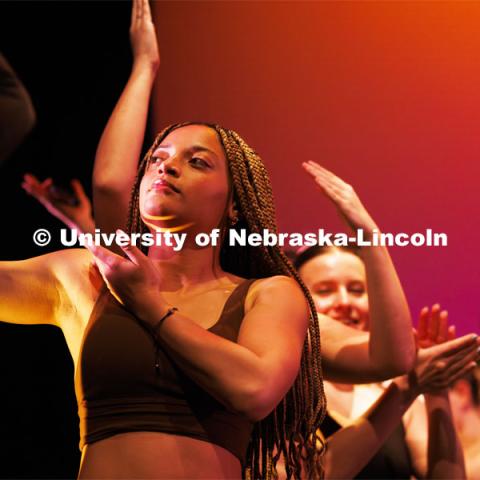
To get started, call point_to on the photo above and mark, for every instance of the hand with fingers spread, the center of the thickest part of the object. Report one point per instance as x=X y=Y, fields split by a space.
x=75 y=210
x=433 y=327
x=343 y=196
x=134 y=281
x=143 y=37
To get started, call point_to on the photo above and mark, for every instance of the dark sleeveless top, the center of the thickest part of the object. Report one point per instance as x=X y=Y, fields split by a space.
x=392 y=461
x=119 y=389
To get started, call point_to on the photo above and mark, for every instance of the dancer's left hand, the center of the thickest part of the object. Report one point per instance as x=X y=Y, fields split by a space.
x=143 y=36
x=134 y=281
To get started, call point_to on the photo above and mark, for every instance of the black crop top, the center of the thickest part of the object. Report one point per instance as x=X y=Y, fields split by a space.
x=119 y=390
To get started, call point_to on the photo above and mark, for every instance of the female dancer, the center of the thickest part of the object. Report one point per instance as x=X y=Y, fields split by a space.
x=337 y=279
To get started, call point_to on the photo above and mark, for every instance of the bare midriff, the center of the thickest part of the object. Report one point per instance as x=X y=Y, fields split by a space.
x=155 y=455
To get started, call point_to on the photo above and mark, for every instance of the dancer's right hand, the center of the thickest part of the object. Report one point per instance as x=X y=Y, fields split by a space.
x=143 y=37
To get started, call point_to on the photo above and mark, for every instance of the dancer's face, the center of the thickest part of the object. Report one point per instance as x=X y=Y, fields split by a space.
x=337 y=282
x=186 y=184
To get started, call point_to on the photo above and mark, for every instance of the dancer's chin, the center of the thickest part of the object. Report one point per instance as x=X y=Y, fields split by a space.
x=171 y=225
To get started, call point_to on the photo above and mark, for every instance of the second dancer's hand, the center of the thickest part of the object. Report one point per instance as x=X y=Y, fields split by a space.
x=74 y=210
x=344 y=197
x=441 y=359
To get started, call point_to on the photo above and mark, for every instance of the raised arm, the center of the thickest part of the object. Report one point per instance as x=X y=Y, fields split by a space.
x=391 y=346
x=120 y=146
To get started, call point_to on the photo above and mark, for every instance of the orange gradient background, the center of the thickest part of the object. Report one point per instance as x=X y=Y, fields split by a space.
x=384 y=94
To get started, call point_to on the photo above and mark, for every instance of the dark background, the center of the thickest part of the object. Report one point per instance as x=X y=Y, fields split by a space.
x=73 y=58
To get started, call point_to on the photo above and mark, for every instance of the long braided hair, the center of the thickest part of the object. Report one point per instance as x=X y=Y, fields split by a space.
x=291 y=431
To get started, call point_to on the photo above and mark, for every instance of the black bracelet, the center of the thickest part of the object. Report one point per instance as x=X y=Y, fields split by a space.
x=170 y=311
x=155 y=329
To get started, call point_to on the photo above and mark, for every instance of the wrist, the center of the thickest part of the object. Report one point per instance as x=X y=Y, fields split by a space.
x=408 y=386
x=434 y=395
x=369 y=230
x=85 y=224
x=145 y=67
x=150 y=308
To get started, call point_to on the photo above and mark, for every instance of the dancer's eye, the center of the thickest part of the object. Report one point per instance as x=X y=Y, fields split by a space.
x=155 y=161
x=323 y=291
x=357 y=288
x=198 y=162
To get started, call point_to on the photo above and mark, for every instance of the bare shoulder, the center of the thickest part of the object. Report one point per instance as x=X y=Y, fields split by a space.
x=277 y=290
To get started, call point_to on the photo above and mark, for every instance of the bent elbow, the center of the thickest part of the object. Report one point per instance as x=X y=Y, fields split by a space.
x=411 y=360
x=401 y=365
x=254 y=403
x=407 y=361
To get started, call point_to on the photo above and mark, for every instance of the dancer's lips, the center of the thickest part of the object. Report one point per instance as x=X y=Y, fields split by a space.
x=161 y=183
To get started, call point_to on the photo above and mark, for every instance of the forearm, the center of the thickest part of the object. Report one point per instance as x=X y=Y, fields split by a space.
x=391 y=336
x=120 y=146
x=362 y=439
x=82 y=225
x=347 y=357
x=445 y=454
x=229 y=372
